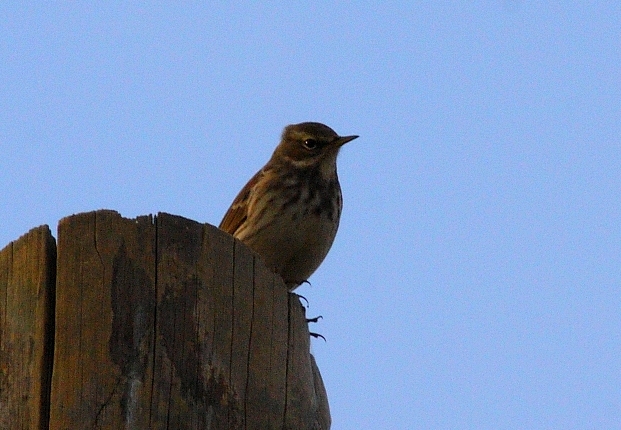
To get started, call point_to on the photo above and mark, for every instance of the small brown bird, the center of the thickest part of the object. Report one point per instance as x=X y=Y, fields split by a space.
x=289 y=212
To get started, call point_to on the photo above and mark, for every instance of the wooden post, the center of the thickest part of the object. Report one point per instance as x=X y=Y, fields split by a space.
x=162 y=323
x=26 y=329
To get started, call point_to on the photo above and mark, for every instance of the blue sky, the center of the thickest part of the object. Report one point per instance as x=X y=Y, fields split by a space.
x=475 y=282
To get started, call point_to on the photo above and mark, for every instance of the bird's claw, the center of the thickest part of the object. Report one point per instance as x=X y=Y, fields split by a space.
x=317 y=335
x=303 y=298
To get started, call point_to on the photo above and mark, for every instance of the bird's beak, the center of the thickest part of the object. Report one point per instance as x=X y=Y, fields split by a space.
x=342 y=140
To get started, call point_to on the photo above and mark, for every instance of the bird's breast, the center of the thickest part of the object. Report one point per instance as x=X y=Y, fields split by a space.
x=297 y=226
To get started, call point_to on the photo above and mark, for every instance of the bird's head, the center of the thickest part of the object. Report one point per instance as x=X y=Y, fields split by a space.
x=310 y=144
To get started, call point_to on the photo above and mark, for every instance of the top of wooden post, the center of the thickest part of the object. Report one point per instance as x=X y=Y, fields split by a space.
x=159 y=322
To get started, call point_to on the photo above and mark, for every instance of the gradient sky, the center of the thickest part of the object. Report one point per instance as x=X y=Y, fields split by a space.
x=475 y=282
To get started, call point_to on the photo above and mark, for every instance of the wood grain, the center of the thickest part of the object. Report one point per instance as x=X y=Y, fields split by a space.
x=27 y=268
x=162 y=322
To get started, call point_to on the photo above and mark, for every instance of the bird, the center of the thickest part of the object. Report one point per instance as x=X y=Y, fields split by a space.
x=289 y=211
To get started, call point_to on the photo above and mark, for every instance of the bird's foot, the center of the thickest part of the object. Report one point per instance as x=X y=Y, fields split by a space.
x=317 y=335
x=303 y=298
x=314 y=320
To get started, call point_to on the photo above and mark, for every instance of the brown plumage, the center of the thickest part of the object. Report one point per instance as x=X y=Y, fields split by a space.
x=289 y=211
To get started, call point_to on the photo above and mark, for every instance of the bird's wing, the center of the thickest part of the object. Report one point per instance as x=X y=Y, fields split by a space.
x=238 y=212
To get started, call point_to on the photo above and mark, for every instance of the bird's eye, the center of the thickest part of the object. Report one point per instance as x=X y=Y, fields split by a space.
x=310 y=144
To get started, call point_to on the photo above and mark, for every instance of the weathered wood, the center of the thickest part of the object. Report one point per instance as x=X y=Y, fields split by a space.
x=104 y=307
x=162 y=322
x=27 y=270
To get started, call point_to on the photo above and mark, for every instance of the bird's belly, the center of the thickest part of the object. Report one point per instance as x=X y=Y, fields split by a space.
x=295 y=248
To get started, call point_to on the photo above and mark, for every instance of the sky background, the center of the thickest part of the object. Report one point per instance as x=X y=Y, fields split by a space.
x=475 y=282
